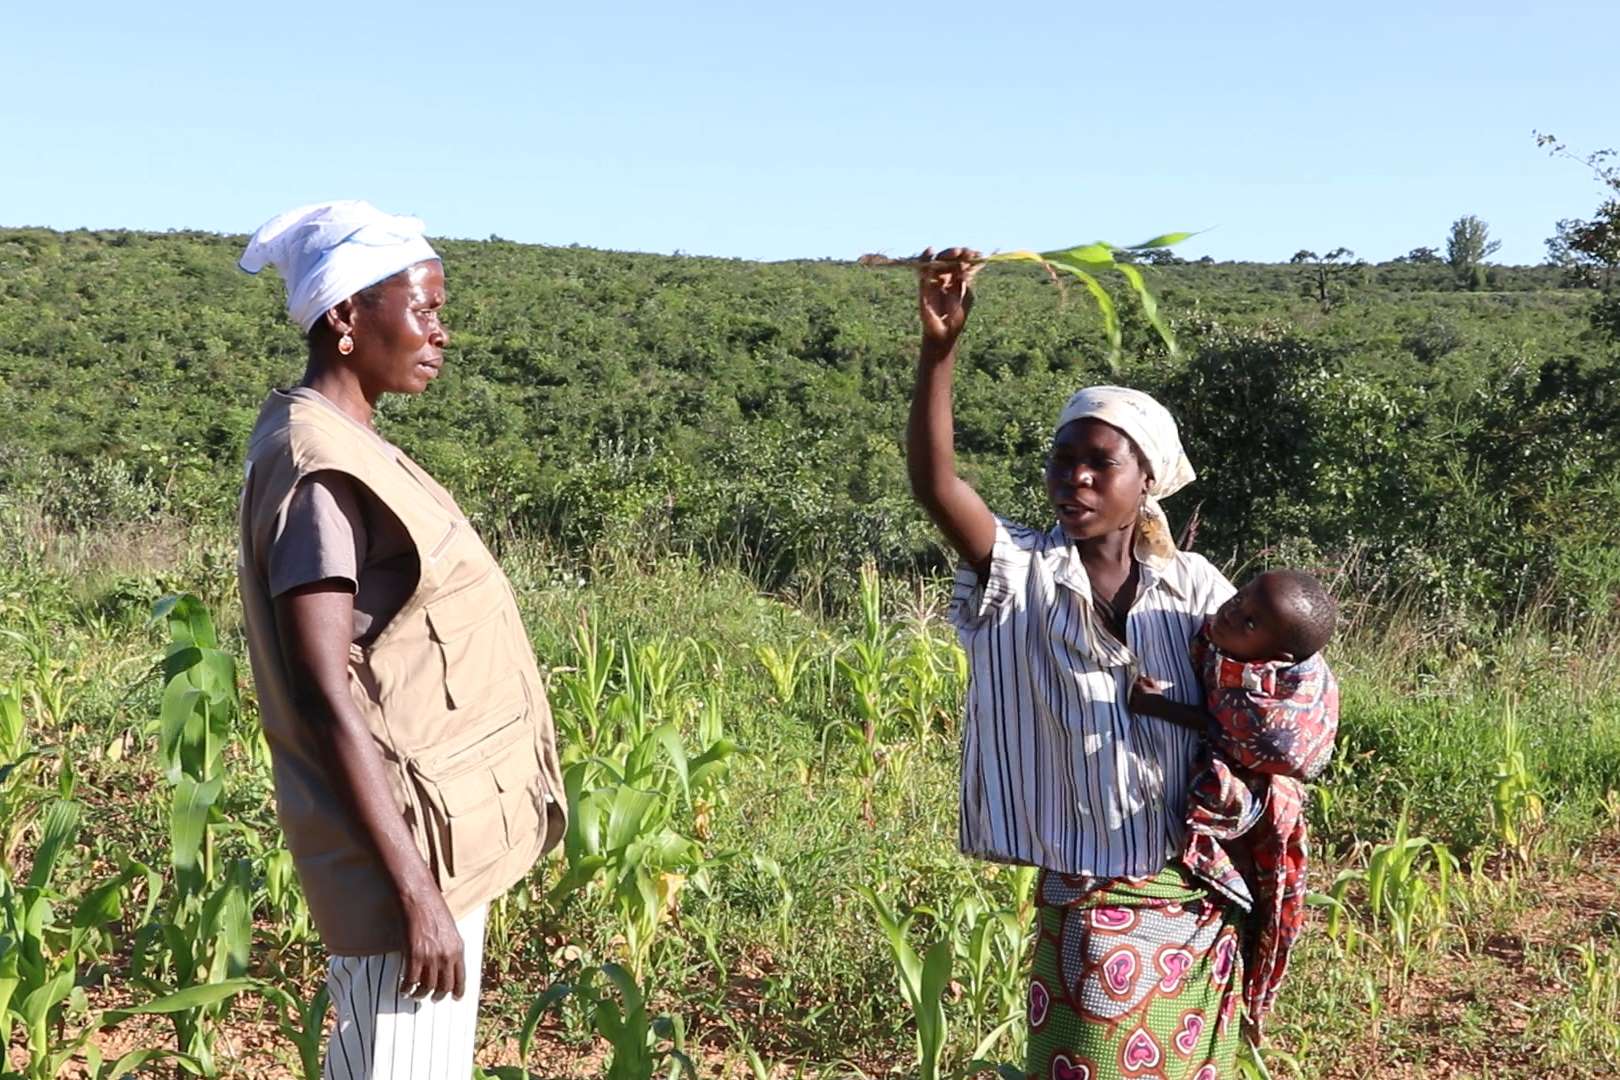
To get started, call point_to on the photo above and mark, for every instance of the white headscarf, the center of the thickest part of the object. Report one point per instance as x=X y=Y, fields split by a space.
x=327 y=252
x=1153 y=430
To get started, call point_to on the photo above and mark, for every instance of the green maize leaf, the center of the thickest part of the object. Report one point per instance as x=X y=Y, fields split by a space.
x=227 y=921
x=988 y=1042
x=668 y=737
x=669 y=850
x=192 y=997
x=632 y=808
x=10 y=978
x=104 y=905
x=1167 y=240
x=215 y=675
x=622 y=979
x=189 y=623
x=37 y=1005
x=1096 y=254
x=61 y=829
x=538 y=1008
x=180 y=705
x=1150 y=306
x=7 y=768
x=1105 y=304
x=188 y=820
x=931 y=1025
x=580 y=874
x=136 y=1058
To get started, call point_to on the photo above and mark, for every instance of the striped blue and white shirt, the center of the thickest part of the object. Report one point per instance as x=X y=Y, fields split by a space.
x=1057 y=772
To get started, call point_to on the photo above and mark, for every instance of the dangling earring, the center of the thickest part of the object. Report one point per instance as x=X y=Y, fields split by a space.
x=346 y=344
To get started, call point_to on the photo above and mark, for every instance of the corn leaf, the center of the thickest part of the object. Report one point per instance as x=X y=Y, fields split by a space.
x=61 y=828
x=1167 y=240
x=1150 y=306
x=1105 y=304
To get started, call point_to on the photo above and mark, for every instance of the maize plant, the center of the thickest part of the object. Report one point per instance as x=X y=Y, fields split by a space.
x=1516 y=802
x=622 y=835
x=785 y=668
x=206 y=932
x=1398 y=890
x=1083 y=262
x=635 y=1037
x=922 y=981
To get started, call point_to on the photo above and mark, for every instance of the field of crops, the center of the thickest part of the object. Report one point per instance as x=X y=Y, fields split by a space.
x=683 y=465
x=760 y=877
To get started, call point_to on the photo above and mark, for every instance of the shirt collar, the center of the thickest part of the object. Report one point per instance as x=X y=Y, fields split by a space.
x=1157 y=570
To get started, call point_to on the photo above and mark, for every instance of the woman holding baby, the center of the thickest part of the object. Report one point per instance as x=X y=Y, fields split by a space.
x=1086 y=748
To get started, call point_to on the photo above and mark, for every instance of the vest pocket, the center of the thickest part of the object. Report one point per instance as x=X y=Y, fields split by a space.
x=471 y=632
x=473 y=795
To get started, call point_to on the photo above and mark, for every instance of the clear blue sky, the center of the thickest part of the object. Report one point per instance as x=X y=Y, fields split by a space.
x=769 y=130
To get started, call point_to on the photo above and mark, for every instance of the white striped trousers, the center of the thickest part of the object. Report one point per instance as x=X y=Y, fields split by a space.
x=379 y=1033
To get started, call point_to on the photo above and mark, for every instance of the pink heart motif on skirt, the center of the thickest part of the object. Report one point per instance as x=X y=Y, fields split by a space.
x=1065 y=1069
x=1141 y=1052
x=1119 y=972
x=1207 y=1073
x=1113 y=919
x=1225 y=954
x=1192 y=1029
x=1174 y=963
x=1040 y=1003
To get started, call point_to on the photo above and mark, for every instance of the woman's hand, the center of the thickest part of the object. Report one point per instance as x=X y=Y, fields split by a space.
x=434 y=963
x=945 y=296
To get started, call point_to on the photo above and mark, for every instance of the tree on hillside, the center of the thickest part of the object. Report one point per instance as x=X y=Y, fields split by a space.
x=1467 y=248
x=1423 y=256
x=1327 y=278
x=1589 y=250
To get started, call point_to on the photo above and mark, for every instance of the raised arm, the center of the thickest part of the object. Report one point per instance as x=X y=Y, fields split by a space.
x=944 y=300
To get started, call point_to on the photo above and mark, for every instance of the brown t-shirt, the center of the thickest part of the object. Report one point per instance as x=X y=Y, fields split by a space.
x=335 y=530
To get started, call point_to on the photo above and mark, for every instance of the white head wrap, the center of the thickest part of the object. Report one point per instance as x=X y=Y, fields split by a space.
x=327 y=252
x=1153 y=430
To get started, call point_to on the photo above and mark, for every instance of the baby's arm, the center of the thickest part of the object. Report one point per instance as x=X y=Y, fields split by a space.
x=1149 y=699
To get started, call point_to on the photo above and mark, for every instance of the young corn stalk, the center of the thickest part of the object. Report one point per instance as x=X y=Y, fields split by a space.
x=621 y=835
x=866 y=668
x=1398 y=889
x=988 y=944
x=640 y=1044
x=1516 y=802
x=1589 y=1030
x=206 y=932
x=1083 y=262
x=922 y=981
x=784 y=668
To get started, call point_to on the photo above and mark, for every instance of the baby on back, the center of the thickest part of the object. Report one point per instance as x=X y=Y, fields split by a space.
x=1271 y=712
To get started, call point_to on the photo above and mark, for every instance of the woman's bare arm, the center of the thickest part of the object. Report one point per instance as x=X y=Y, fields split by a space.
x=316 y=624
x=944 y=300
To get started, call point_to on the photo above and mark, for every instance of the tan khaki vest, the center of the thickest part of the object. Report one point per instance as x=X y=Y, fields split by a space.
x=449 y=689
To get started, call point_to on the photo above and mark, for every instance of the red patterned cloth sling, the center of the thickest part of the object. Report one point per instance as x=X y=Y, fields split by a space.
x=1272 y=728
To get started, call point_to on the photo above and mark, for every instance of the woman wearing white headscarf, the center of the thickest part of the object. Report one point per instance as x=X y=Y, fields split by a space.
x=414 y=761
x=1136 y=968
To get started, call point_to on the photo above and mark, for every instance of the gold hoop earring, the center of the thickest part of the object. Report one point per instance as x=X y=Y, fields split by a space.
x=346 y=344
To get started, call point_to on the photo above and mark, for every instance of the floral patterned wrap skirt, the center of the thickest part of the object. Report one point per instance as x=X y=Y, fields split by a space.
x=1134 y=978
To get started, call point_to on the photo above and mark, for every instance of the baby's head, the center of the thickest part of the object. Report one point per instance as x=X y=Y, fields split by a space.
x=1278 y=615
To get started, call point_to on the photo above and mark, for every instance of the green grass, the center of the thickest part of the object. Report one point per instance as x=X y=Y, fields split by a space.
x=775 y=951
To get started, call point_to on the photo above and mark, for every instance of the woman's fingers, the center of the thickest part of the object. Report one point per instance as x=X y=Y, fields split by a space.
x=460 y=987
x=410 y=971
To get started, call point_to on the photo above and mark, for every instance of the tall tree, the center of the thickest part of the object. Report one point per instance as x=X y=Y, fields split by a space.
x=1327 y=278
x=1589 y=249
x=1467 y=248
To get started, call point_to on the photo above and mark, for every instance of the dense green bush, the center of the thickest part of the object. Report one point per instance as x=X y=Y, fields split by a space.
x=1439 y=440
